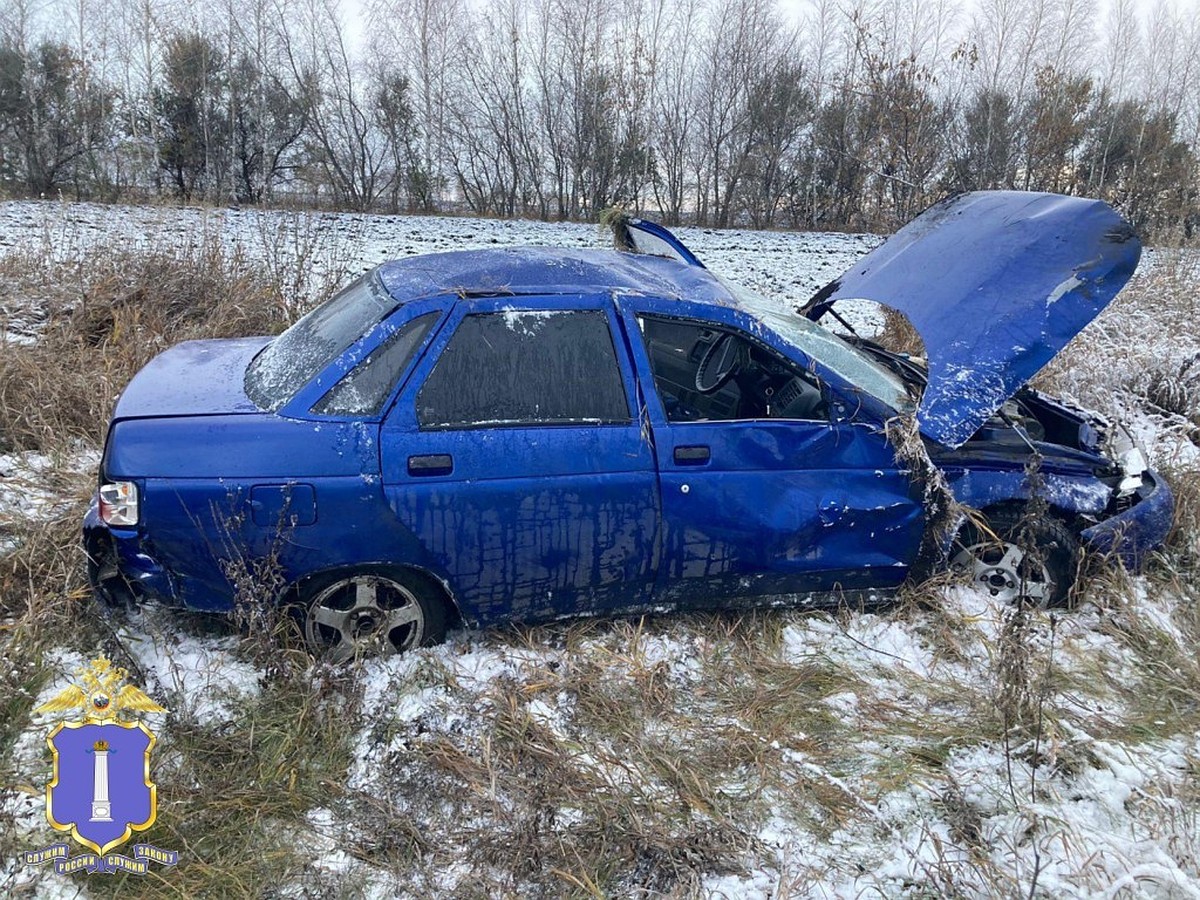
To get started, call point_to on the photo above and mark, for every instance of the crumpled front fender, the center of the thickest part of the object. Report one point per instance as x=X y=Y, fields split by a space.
x=1131 y=535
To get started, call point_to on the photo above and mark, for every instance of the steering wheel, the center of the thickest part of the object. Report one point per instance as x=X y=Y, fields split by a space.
x=720 y=362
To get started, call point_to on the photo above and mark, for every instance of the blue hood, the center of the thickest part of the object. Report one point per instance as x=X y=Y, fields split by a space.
x=996 y=283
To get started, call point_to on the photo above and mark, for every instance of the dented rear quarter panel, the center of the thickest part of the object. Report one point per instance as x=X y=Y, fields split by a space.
x=307 y=494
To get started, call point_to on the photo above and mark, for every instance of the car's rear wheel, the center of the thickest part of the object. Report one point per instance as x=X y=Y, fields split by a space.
x=372 y=612
x=1030 y=562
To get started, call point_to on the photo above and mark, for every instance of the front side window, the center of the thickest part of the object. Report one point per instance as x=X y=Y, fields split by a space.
x=365 y=389
x=706 y=373
x=854 y=365
x=513 y=367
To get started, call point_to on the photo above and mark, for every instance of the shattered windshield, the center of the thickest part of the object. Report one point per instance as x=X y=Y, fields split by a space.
x=827 y=348
x=292 y=360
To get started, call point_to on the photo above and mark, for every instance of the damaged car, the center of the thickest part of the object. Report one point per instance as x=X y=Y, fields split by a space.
x=485 y=436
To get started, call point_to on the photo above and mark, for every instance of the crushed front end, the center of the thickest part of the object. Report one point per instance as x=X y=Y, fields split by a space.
x=1140 y=511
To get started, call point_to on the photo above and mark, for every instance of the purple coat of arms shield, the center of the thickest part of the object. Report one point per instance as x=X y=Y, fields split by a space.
x=101 y=791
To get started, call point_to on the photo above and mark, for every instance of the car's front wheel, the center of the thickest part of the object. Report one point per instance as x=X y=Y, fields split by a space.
x=1032 y=562
x=375 y=611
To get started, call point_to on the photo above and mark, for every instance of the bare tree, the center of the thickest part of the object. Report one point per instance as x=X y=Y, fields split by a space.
x=347 y=147
x=267 y=114
x=495 y=155
x=420 y=41
x=136 y=42
x=673 y=121
x=745 y=45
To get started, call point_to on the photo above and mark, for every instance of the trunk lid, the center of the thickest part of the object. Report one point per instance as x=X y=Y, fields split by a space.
x=195 y=378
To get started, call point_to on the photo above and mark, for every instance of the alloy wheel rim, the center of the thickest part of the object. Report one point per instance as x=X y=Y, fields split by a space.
x=364 y=615
x=1006 y=572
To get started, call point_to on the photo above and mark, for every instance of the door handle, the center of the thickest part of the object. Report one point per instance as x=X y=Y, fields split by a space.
x=692 y=456
x=431 y=464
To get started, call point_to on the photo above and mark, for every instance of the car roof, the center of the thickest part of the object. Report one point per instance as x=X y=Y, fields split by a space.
x=537 y=271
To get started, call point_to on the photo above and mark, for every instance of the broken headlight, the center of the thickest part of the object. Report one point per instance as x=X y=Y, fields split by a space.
x=1130 y=459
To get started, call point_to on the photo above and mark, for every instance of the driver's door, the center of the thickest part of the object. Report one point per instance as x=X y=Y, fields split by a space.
x=766 y=505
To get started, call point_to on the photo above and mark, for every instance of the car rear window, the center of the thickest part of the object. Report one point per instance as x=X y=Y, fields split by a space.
x=548 y=367
x=364 y=391
x=292 y=360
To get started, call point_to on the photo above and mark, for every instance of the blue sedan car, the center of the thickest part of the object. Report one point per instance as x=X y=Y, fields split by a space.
x=520 y=434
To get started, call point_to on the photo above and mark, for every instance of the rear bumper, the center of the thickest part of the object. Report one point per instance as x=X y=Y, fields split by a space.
x=118 y=567
x=1137 y=531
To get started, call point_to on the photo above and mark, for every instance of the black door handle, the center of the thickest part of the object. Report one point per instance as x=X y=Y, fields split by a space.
x=431 y=464
x=692 y=456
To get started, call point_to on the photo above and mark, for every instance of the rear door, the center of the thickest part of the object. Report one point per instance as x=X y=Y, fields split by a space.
x=514 y=457
x=763 y=492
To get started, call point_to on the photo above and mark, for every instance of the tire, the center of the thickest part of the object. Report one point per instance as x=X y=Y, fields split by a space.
x=1033 y=563
x=372 y=611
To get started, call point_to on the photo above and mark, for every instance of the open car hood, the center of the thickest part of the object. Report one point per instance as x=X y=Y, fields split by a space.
x=996 y=283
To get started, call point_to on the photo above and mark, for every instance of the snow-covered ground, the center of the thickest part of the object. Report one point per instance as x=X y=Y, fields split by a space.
x=831 y=754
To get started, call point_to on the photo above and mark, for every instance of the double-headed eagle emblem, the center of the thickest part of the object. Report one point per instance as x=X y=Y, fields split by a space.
x=101 y=694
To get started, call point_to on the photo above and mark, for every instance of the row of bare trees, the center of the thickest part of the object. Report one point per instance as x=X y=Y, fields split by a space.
x=839 y=114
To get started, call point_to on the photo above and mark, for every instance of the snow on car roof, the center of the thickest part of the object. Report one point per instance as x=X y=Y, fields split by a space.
x=522 y=271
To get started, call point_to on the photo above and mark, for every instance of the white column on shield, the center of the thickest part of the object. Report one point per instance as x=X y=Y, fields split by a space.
x=101 y=810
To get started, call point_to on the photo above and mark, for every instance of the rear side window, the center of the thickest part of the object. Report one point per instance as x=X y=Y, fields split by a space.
x=516 y=367
x=366 y=388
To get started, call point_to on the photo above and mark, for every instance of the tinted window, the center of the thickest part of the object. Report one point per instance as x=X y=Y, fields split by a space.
x=364 y=390
x=513 y=367
x=292 y=360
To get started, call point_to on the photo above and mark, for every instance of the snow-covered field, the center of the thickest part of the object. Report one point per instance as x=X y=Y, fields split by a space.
x=942 y=748
x=786 y=265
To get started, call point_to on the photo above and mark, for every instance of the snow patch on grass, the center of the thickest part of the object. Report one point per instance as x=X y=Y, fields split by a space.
x=200 y=677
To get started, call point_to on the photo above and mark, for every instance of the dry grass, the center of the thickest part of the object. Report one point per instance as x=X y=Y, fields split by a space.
x=108 y=315
x=234 y=796
x=102 y=317
x=1141 y=352
x=605 y=795
x=898 y=334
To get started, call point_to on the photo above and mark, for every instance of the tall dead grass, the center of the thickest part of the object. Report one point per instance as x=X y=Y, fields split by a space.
x=98 y=319
x=106 y=316
x=1144 y=347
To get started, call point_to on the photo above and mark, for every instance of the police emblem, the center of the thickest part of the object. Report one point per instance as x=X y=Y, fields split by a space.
x=101 y=792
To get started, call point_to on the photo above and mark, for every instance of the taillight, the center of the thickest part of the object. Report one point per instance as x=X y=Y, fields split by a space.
x=119 y=503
